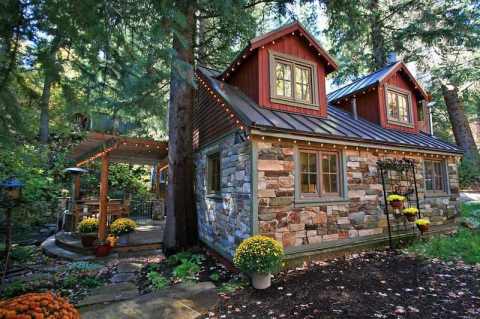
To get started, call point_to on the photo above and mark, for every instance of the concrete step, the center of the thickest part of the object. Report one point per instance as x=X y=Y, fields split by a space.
x=50 y=248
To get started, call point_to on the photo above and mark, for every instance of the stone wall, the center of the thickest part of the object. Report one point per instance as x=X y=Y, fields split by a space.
x=224 y=220
x=358 y=215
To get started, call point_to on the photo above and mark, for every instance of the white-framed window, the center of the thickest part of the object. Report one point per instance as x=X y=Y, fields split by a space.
x=293 y=81
x=399 y=106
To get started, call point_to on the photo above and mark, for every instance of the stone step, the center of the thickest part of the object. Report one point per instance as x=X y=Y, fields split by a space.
x=50 y=248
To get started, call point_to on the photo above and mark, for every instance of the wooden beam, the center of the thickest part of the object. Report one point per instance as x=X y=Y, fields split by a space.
x=102 y=227
x=77 y=186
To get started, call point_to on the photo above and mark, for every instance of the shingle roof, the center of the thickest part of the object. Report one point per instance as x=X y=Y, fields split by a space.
x=338 y=124
x=361 y=83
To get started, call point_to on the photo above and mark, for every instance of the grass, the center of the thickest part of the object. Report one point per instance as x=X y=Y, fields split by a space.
x=464 y=245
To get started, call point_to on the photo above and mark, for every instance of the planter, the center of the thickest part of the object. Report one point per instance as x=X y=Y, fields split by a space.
x=123 y=239
x=102 y=250
x=396 y=204
x=410 y=218
x=261 y=280
x=423 y=228
x=88 y=239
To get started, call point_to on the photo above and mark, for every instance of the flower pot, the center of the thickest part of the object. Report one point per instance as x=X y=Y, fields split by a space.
x=410 y=217
x=102 y=250
x=261 y=280
x=396 y=204
x=88 y=239
x=123 y=239
x=423 y=228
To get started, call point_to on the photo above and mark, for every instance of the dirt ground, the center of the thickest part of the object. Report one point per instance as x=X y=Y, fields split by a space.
x=368 y=285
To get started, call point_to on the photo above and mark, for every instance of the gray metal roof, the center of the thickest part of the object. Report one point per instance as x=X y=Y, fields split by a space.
x=361 y=83
x=338 y=124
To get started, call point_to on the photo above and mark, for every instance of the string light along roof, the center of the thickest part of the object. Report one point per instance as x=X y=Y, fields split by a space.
x=119 y=149
x=339 y=124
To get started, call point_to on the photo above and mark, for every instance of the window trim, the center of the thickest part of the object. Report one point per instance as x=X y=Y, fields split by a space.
x=209 y=155
x=292 y=60
x=444 y=190
x=398 y=90
x=320 y=196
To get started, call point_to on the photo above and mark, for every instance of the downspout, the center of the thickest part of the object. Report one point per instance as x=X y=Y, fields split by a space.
x=354 y=108
x=430 y=118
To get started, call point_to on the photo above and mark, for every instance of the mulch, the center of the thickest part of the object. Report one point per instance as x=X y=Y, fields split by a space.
x=367 y=285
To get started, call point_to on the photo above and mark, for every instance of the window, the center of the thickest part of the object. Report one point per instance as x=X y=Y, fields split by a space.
x=399 y=106
x=213 y=173
x=421 y=110
x=319 y=173
x=292 y=81
x=434 y=176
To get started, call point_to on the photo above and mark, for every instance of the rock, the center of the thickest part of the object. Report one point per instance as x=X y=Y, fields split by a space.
x=122 y=277
x=128 y=267
x=109 y=293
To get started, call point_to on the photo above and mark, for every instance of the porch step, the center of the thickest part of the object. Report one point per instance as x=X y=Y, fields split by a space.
x=50 y=248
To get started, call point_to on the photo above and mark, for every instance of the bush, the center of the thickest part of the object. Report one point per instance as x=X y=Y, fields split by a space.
x=259 y=254
x=187 y=269
x=468 y=173
x=88 y=225
x=122 y=226
x=38 y=305
x=157 y=280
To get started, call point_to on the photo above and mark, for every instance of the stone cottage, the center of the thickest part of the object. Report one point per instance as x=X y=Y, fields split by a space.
x=278 y=156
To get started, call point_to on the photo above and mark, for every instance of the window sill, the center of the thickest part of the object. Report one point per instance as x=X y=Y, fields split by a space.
x=294 y=103
x=436 y=195
x=214 y=196
x=308 y=202
x=398 y=123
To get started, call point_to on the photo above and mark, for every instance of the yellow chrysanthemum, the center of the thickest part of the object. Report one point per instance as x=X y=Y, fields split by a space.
x=259 y=254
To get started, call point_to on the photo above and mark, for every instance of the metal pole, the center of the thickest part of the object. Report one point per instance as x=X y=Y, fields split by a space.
x=416 y=192
x=386 y=208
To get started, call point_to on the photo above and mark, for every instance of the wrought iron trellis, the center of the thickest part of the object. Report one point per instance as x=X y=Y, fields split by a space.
x=404 y=170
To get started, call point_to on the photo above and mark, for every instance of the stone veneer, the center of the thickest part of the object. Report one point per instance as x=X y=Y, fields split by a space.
x=224 y=220
x=357 y=216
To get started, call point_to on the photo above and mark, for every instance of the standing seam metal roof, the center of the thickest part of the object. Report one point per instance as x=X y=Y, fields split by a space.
x=338 y=124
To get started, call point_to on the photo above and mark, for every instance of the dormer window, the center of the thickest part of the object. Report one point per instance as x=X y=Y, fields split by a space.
x=399 y=106
x=293 y=81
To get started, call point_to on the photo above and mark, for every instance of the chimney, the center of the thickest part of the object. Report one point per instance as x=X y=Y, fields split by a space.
x=354 y=108
x=391 y=57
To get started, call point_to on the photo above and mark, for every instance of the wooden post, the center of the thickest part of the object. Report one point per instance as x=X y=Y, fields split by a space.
x=77 y=186
x=102 y=227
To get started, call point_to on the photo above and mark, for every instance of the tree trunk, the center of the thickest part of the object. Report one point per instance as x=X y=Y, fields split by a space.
x=181 y=228
x=460 y=126
x=377 y=38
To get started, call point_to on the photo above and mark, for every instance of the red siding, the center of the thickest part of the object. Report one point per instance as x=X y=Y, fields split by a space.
x=295 y=46
x=209 y=120
x=246 y=78
x=367 y=105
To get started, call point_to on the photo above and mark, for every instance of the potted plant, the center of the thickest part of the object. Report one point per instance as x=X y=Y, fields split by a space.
x=410 y=213
x=122 y=228
x=423 y=225
x=102 y=248
x=396 y=201
x=259 y=256
x=88 y=231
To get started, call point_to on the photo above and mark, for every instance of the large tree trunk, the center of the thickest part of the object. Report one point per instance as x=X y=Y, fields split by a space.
x=460 y=126
x=181 y=228
x=377 y=38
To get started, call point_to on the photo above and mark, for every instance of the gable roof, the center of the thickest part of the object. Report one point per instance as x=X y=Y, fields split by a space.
x=372 y=79
x=338 y=125
x=266 y=38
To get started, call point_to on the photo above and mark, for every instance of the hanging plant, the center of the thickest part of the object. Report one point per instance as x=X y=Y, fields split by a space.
x=396 y=164
x=395 y=200
x=423 y=225
x=410 y=213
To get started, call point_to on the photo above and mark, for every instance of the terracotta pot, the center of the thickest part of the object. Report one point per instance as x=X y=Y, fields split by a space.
x=102 y=250
x=423 y=228
x=88 y=239
x=261 y=280
x=396 y=204
x=410 y=217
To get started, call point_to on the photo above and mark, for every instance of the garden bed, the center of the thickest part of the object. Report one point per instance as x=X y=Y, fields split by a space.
x=368 y=285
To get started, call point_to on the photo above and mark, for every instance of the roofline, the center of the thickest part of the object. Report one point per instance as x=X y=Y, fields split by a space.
x=265 y=38
x=418 y=86
x=286 y=133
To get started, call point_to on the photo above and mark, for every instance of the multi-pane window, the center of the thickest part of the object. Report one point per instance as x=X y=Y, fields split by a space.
x=293 y=81
x=213 y=173
x=398 y=107
x=434 y=176
x=319 y=173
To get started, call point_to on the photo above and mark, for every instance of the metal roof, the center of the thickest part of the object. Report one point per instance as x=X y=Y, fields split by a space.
x=338 y=124
x=361 y=83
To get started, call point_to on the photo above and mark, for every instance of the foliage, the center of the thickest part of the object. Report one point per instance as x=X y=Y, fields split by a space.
x=395 y=197
x=157 y=280
x=38 y=305
x=187 y=269
x=396 y=164
x=90 y=282
x=22 y=254
x=259 y=254
x=468 y=173
x=178 y=257
x=83 y=266
x=410 y=211
x=88 y=225
x=122 y=226
x=14 y=288
x=215 y=276
x=232 y=286
x=422 y=222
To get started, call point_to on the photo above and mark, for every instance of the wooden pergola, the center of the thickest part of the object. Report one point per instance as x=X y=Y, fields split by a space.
x=120 y=149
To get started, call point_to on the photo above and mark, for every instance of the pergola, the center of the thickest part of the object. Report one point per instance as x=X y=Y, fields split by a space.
x=113 y=148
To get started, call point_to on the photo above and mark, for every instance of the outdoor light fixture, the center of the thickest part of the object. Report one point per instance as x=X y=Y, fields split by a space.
x=12 y=188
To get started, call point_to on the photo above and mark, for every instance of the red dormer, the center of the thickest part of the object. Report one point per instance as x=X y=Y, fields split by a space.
x=391 y=97
x=284 y=70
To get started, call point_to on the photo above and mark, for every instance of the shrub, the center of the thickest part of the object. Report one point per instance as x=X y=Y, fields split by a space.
x=83 y=266
x=14 y=289
x=187 y=269
x=122 y=226
x=395 y=197
x=410 y=211
x=157 y=280
x=38 y=305
x=22 y=254
x=259 y=254
x=88 y=225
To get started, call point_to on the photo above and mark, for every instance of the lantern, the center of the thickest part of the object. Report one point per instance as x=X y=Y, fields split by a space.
x=12 y=188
